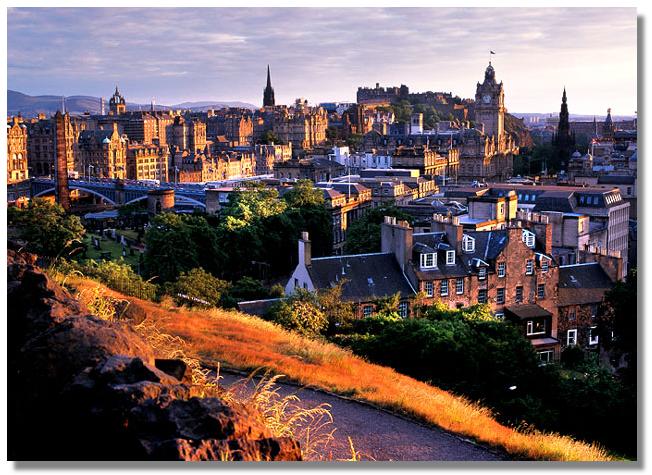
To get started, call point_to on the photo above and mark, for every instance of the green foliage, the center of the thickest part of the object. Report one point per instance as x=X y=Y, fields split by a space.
x=249 y=205
x=197 y=288
x=303 y=193
x=247 y=288
x=363 y=235
x=270 y=138
x=337 y=310
x=354 y=141
x=402 y=111
x=300 y=313
x=46 y=227
x=430 y=115
x=177 y=243
x=618 y=315
x=469 y=352
x=388 y=307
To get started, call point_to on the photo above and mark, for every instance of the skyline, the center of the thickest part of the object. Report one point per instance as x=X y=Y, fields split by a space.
x=325 y=54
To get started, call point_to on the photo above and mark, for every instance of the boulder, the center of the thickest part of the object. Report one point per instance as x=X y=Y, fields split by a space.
x=82 y=388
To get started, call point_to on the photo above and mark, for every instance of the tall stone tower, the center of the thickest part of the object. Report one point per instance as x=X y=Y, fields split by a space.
x=268 y=93
x=62 y=191
x=608 y=128
x=564 y=141
x=117 y=103
x=490 y=104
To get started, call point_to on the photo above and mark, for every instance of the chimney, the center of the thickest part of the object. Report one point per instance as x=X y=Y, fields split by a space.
x=451 y=226
x=396 y=237
x=304 y=249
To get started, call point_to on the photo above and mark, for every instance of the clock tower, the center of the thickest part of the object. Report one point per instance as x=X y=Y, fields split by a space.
x=490 y=104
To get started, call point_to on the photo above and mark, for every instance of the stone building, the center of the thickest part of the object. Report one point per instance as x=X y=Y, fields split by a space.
x=147 y=162
x=267 y=155
x=188 y=135
x=315 y=168
x=17 y=169
x=582 y=288
x=235 y=125
x=41 y=144
x=103 y=153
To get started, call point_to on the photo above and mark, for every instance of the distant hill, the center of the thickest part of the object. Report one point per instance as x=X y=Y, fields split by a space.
x=29 y=106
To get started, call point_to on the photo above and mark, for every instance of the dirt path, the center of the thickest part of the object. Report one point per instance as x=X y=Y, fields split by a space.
x=379 y=435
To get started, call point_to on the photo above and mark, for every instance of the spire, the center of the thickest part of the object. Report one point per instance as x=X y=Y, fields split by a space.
x=563 y=97
x=268 y=93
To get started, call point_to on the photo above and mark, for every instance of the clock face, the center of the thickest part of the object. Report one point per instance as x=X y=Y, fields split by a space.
x=486 y=98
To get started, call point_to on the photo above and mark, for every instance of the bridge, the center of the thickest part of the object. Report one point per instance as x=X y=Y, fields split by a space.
x=123 y=192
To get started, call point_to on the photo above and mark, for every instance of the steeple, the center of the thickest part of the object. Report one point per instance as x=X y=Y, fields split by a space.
x=268 y=93
x=564 y=140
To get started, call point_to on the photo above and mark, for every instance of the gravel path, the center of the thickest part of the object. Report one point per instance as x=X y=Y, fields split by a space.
x=381 y=436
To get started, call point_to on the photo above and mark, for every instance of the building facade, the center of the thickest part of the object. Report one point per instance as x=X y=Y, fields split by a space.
x=17 y=168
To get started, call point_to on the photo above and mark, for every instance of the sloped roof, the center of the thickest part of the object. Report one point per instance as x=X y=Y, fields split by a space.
x=525 y=311
x=257 y=307
x=582 y=283
x=367 y=276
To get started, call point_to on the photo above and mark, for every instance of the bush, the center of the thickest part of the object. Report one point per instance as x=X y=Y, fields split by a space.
x=299 y=313
x=197 y=288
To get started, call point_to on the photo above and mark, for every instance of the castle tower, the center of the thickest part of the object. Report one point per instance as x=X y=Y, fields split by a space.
x=268 y=93
x=490 y=104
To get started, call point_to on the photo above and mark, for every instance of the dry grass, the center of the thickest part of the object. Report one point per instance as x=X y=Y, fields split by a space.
x=245 y=342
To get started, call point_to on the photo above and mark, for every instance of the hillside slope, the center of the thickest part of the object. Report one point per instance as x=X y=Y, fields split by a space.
x=244 y=342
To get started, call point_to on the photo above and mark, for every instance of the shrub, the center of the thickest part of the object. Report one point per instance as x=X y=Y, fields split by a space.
x=119 y=276
x=300 y=313
x=197 y=288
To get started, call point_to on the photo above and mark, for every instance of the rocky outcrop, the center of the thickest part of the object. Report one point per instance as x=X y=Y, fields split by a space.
x=81 y=388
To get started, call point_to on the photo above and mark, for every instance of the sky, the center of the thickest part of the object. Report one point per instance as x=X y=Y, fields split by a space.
x=323 y=55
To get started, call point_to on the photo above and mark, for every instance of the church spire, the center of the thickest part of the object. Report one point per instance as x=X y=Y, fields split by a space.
x=268 y=93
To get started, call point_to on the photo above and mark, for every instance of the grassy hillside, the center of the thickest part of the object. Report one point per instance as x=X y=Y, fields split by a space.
x=245 y=342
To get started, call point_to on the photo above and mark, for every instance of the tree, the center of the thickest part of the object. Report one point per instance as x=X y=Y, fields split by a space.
x=363 y=234
x=46 y=227
x=270 y=138
x=402 y=111
x=198 y=288
x=618 y=317
x=304 y=193
x=388 y=306
x=178 y=243
x=251 y=204
x=300 y=313
x=337 y=310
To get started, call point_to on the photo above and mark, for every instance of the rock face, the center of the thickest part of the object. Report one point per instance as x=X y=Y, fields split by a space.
x=81 y=388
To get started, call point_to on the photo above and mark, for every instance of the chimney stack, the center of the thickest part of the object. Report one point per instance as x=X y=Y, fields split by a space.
x=305 y=253
x=396 y=237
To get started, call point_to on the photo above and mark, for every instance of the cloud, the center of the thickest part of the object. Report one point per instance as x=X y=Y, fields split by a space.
x=324 y=53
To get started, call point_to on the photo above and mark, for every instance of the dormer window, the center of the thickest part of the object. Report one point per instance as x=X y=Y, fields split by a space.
x=528 y=238
x=450 y=258
x=428 y=260
x=468 y=243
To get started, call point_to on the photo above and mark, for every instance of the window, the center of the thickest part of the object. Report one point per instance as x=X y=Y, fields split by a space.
x=296 y=282
x=468 y=243
x=545 y=265
x=500 y=295
x=482 y=296
x=546 y=357
x=366 y=310
x=501 y=269
x=450 y=258
x=444 y=288
x=459 y=285
x=482 y=273
x=403 y=309
x=529 y=267
x=629 y=190
x=519 y=294
x=571 y=337
x=571 y=315
x=535 y=327
x=428 y=287
x=593 y=336
x=541 y=291
x=528 y=238
x=499 y=315
x=428 y=260
x=594 y=311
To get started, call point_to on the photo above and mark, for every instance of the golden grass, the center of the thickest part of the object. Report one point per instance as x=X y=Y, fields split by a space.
x=245 y=342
